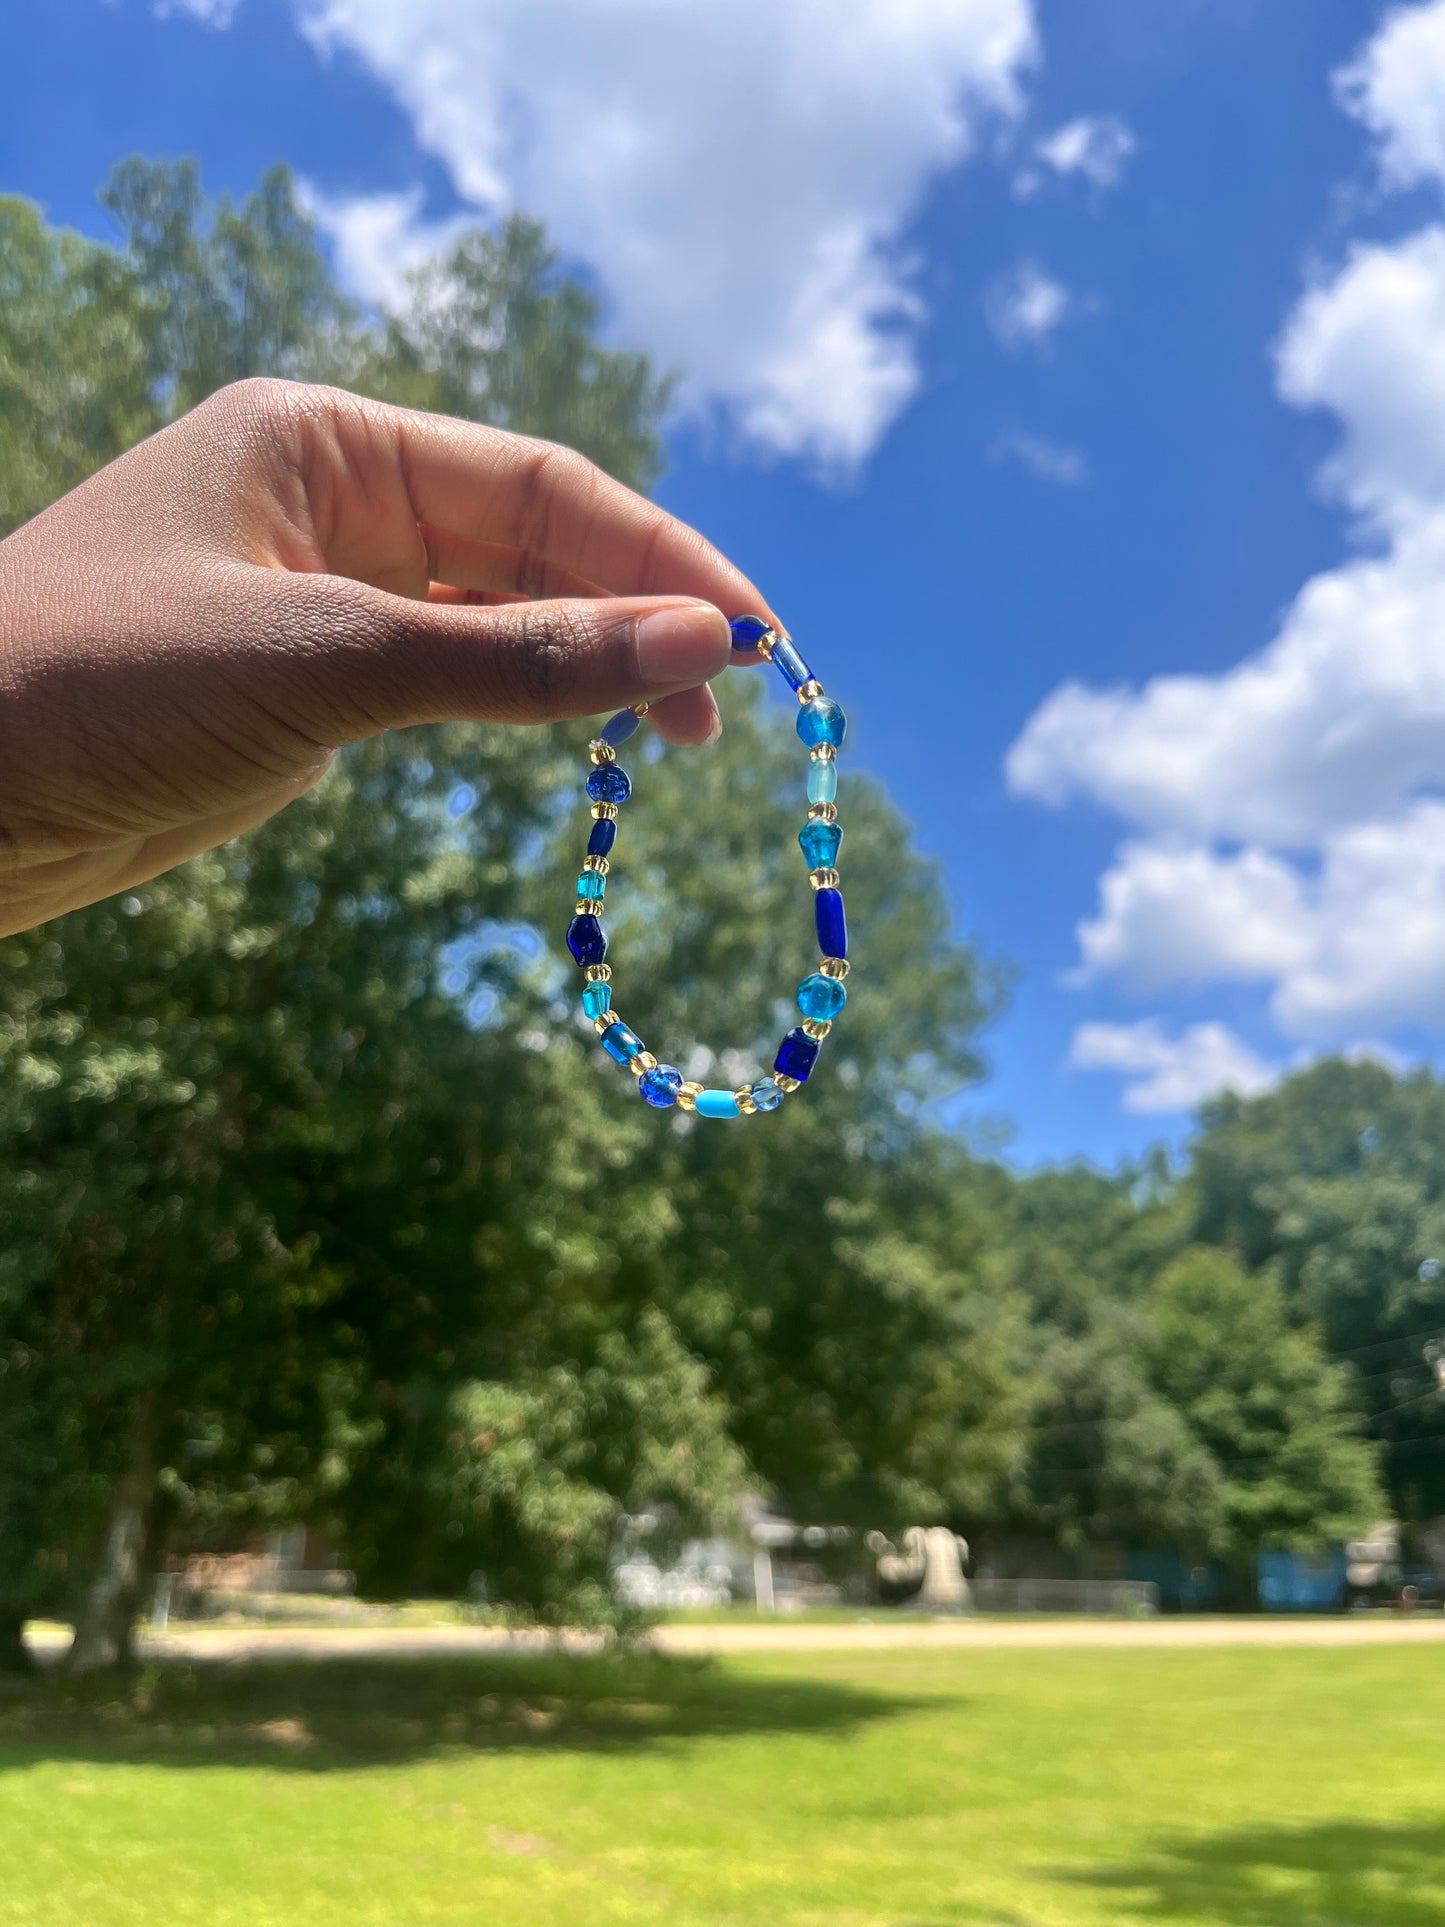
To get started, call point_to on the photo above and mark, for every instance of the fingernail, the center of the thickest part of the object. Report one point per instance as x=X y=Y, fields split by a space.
x=685 y=644
x=715 y=726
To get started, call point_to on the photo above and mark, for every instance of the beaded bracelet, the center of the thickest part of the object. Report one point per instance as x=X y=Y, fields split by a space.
x=821 y=727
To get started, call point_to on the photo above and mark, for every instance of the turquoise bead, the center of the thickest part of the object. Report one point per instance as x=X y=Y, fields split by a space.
x=819 y=843
x=596 y=998
x=822 y=721
x=716 y=1104
x=592 y=884
x=821 y=998
x=822 y=782
x=620 y=1042
x=766 y=1094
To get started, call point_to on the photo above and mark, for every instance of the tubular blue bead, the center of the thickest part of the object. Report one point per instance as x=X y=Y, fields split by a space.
x=591 y=883
x=660 y=1086
x=596 y=998
x=587 y=940
x=832 y=924
x=748 y=632
x=716 y=1104
x=766 y=1094
x=609 y=783
x=794 y=670
x=819 y=843
x=620 y=1042
x=822 y=721
x=822 y=782
x=797 y=1054
x=604 y=832
x=618 y=728
x=820 y=997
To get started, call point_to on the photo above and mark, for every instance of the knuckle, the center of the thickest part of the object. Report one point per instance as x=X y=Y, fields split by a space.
x=540 y=669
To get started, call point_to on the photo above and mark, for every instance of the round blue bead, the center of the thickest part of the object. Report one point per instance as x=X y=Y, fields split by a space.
x=660 y=1087
x=604 y=835
x=587 y=940
x=820 y=997
x=748 y=632
x=819 y=843
x=797 y=1054
x=620 y=1042
x=609 y=783
x=591 y=883
x=822 y=721
x=766 y=1094
x=618 y=728
x=716 y=1104
x=596 y=998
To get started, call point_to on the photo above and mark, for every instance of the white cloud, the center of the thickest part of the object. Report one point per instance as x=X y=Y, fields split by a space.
x=1046 y=461
x=739 y=173
x=1097 y=146
x=1026 y=305
x=379 y=240
x=1396 y=86
x=212 y=13
x=1171 y=1074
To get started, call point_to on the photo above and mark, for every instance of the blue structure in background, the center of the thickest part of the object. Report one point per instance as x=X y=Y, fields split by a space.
x=1303 y=1582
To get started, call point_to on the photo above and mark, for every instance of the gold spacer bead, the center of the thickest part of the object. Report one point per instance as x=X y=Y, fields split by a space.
x=822 y=812
x=599 y=973
x=765 y=644
x=605 y=812
x=604 y=1022
x=589 y=906
x=687 y=1097
x=824 y=753
x=601 y=752
x=823 y=879
x=817 y=1028
x=644 y=1061
x=744 y=1099
x=786 y=1084
x=597 y=865
x=836 y=967
x=807 y=691
x=640 y=709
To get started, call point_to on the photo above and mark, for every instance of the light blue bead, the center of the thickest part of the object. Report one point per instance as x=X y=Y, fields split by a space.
x=596 y=998
x=716 y=1104
x=819 y=843
x=592 y=883
x=821 y=998
x=822 y=721
x=766 y=1094
x=822 y=782
x=619 y=727
x=620 y=1042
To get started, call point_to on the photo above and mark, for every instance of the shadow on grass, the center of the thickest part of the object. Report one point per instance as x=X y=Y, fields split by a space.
x=312 y=1715
x=1349 y=1875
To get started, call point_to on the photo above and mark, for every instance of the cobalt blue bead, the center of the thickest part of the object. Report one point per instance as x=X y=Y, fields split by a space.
x=822 y=721
x=766 y=1094
x=795 y=671
x=819 y=843
x=591 y=884
x=660 y=1086
x=831 y=923
x=619 y=727
x=604 y=835
x=587 y=940
x=797 y=1054
x=820 y=997
x=620 y=1042
x=596 y=998
x=748 y=632
x=609 y=783
x=716 y=1104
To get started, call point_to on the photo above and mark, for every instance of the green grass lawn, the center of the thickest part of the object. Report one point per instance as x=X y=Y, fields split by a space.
x=1257 y=1788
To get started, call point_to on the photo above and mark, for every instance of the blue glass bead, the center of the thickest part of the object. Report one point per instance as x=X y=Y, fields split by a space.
x=660 y=1086
x=716 y=1104
x=609 y=783
x=618 y=728
x=797 y=1054
x=592 y=884
x=831 y=923
x=596 y=998
x=820 y=997
x=587 y=940
x=822 y=782
x=748 y=632
x=822 y=721
x=819 y=843
x=766 y=1094
x=795 y=671
x=604 y=835
x=620 y=1042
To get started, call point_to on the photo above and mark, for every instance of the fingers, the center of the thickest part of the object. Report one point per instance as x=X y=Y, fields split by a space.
x=493 y=569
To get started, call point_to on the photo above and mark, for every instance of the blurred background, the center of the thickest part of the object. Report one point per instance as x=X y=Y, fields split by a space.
x=1009 y=1486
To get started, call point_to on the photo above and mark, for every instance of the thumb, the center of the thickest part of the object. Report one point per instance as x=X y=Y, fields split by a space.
x=379 y=661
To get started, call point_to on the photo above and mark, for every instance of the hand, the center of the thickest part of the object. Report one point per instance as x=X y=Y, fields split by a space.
x=187 y=638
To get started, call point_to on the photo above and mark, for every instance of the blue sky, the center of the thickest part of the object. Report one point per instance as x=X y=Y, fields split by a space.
x=1027 y=348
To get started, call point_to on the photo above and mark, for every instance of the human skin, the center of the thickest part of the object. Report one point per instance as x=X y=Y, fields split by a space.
x=188 y=638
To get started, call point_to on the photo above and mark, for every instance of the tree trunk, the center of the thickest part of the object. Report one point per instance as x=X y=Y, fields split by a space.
x=15 y=1656
x=104 y=1625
